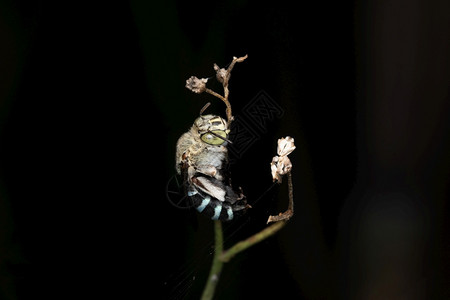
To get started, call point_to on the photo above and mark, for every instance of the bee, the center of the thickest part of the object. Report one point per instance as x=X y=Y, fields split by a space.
x=202 y=160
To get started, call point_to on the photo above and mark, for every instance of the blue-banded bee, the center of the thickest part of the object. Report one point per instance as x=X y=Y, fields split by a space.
x=202 y=160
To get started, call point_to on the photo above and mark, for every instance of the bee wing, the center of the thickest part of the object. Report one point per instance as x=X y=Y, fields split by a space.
x=203 y=183
x=211 y=186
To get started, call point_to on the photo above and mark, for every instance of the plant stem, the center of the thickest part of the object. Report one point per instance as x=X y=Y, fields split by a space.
x=209 y=91
x=290 y=211
x=225 y=100
x=256 y=238
x=217 y=264
x=279 y=220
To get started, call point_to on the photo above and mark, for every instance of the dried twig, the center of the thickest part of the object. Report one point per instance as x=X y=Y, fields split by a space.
x=290 y=211
x=281 y=165
x=198 y=86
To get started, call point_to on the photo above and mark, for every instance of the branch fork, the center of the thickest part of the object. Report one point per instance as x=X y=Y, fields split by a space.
x=198 y=85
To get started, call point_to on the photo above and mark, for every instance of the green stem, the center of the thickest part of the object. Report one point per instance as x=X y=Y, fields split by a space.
x=256 y=238
x=217 y=264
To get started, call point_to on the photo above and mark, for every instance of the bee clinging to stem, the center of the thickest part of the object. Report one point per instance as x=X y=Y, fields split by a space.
x=202 y=156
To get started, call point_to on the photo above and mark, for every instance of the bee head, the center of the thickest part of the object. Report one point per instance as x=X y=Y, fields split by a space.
x=212 y=129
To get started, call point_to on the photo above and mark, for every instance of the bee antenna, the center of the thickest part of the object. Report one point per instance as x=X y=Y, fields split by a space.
x=204 y=108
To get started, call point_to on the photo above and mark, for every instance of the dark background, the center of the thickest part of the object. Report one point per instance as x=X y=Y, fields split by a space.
x=93 y=102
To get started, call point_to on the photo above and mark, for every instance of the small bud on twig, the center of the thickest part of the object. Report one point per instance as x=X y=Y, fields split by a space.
x=222 y=74
x=280 y=165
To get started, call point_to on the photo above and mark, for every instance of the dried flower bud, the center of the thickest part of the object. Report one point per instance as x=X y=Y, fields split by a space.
x=274 y=168
x=222 y=75
x=280 y=165
x=285 y=146
x=284 y=165
x=196 y=85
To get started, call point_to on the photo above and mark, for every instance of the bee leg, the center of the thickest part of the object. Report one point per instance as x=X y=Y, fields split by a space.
x=232 y=196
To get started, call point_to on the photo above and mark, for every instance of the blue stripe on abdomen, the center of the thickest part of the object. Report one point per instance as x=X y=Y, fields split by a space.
x=211 y=207
x=217 y=211
x=204 y=203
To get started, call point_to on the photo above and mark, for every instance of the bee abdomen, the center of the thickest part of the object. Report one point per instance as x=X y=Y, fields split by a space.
x=213 y=208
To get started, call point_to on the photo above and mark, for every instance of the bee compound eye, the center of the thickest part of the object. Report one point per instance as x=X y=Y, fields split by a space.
x=209 y=138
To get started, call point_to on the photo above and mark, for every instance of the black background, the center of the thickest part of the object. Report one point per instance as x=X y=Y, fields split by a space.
x=93 y=102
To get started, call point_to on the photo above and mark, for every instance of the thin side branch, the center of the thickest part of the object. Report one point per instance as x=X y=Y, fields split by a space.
x=224 y=76
x=254 y=239
x=290 y=211
x=268 y=231
x=209 y=91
